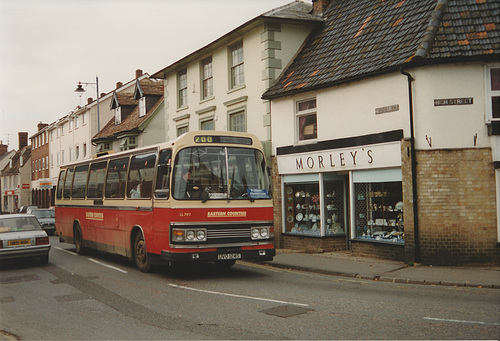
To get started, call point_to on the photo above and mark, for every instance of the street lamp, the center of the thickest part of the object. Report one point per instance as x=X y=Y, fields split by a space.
x=80 y=90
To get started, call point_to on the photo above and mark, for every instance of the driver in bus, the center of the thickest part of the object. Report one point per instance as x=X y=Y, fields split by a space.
x=191 y=191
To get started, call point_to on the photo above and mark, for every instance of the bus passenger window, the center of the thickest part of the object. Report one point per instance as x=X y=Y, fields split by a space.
x=97 y=174
x=80 y=182
x=163 y=175
x=116 y=178
x=67 y=183
x=60 y=184
x=141 y=175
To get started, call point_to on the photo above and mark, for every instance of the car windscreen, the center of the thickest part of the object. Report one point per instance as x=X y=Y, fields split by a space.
x=43 y=214
x=16 y=224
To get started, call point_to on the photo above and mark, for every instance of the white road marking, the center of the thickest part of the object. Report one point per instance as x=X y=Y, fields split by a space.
x=459 y=321
x=237 y=296
x=108 y=266
x=64 y=250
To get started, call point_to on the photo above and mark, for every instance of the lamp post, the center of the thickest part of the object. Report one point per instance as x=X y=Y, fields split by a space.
x=80 y=90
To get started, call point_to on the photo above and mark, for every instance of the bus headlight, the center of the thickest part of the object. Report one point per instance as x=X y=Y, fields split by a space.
x=261 y=233
x=189 y=235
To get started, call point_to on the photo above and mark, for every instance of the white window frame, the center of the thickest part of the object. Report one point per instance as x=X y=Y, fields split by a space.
x=232 y=114
x=118 y=115
x=142 y=106
x=304 y=113
x=490 y=93
x=182 y=92
x=207 y=78
x=236 y=66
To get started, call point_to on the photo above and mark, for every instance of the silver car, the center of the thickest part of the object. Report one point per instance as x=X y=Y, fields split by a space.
x=22 y=236
x=46 y=217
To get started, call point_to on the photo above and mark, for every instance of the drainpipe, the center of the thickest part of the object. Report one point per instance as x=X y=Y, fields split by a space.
x=413 y=166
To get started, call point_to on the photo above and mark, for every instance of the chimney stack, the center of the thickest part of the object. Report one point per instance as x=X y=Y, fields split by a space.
x=119 y=85
x=90 y=100
x=41 y=126
x=3 y=148
x=320 y=6
x=138 y=73
x=23 y=139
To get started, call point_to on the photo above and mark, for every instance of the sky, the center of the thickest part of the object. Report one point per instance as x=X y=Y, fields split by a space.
x=48 y=46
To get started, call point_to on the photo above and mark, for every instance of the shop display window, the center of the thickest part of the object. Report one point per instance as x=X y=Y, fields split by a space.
x=312 y=211
x=379 y=211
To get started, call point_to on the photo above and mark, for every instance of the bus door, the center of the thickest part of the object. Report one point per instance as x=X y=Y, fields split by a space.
x=94 y=214
x=161 y=204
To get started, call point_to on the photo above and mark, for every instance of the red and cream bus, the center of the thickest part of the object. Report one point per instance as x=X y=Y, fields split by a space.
x=204 y=196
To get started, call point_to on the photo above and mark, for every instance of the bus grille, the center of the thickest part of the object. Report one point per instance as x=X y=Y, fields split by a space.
x=228 y=233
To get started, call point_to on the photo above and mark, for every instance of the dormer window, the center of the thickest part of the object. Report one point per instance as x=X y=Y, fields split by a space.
x=118 y=115
x=142 y=106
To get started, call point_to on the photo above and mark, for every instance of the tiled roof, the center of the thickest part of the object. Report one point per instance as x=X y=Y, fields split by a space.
x=296 y=10
x=132 y=121
x=361 y=38
x=16 y=161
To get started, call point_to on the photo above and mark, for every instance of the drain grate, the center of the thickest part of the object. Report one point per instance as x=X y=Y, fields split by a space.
x=19 y=279
x=74 y=297
x=286 y=311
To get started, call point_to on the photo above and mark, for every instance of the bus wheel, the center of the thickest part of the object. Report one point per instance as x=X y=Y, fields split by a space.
x=79 y=240
x=141 y=254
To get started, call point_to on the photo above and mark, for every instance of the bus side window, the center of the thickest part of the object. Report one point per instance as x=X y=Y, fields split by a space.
x=67 y=183
x=141 y=175
x=95 y=185
x=80 y=182
x=116 y=178
x=60 y=184
x=163 y=174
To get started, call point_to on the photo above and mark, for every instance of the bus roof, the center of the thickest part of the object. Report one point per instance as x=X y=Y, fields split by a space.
x=183 y=140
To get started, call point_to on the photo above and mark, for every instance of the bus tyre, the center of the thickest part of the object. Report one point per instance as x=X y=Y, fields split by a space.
x=141 y=254
x=78 y=238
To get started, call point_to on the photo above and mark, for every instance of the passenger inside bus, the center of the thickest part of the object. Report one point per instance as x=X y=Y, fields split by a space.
x=186 y=186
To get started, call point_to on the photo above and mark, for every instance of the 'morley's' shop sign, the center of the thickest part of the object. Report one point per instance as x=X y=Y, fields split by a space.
x=334 y=160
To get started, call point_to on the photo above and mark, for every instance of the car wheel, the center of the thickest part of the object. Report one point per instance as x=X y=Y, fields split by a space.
x=44 y=259
x=141 y=254
x=78 y=238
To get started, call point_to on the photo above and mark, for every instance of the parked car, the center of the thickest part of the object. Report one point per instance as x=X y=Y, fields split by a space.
x=21 y=235
x=46 y=217
x=25 y=208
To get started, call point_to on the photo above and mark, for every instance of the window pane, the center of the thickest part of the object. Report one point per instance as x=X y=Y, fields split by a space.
x=237 y=122
x=495 y=106
x=60 y=184
x=307 y=127
x=80 y=182
x=140 y=178
x=208 y=125
x=67 y=183
x=495 y=79
x=95 y=186
x=379 y=211
x=163 y=174
x=116 y=178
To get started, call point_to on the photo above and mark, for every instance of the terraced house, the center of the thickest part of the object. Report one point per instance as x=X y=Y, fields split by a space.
x=219 y=86
x=386 y=133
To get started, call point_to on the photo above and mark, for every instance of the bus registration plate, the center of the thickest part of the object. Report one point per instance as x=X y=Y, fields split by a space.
x=226 y=256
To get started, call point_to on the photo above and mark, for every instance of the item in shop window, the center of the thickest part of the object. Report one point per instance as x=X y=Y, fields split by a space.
x=329 y=195
x=290 y=208
x=298 y=206
x=399 y=206
x=318 y=217
x=289 y=190
x=305 y=207
x=299 y=216
x=297 y=194
x=315 y=198
x=308 y=194
x=315 y=226
x=289 y=219
x=302 y=194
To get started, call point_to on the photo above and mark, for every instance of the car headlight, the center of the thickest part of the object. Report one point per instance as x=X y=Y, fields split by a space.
x=261 y=233
x=189 y=235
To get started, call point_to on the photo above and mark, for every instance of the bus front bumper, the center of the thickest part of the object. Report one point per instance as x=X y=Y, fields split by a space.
x=222 y=254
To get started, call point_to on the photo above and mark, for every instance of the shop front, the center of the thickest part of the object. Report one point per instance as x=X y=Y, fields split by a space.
x=344 y=194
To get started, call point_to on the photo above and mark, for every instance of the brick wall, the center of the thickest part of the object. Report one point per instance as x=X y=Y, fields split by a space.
x=378 y=250
x=457 y=207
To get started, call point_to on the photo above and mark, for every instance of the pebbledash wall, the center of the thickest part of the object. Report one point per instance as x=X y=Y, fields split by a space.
x=457 y=189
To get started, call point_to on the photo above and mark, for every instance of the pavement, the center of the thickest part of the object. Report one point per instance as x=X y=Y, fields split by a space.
x=345 y=265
